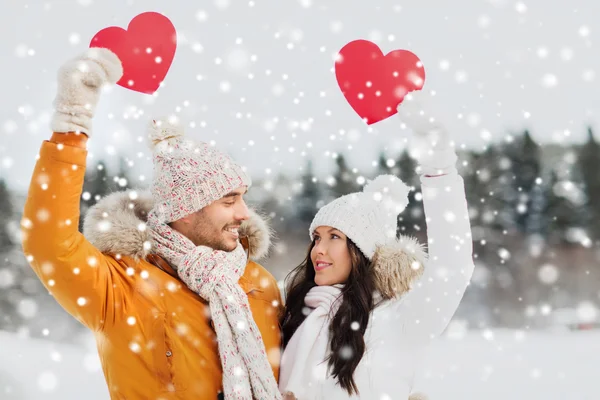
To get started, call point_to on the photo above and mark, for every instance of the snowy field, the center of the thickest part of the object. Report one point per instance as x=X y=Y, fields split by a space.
x=498 y=365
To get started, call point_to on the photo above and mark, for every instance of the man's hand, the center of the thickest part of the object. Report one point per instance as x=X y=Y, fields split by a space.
x=79 y=84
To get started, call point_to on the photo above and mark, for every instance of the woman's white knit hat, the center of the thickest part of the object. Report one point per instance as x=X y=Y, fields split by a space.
x=188 y=176
x=368 y=218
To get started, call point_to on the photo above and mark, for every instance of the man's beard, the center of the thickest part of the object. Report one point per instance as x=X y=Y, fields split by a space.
x=205 y=235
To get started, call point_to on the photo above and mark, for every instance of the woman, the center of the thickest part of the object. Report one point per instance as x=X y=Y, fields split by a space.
x=363 y=306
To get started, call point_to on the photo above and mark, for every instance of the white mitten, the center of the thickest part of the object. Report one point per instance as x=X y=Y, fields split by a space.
x=79 y=84
x=431 y=146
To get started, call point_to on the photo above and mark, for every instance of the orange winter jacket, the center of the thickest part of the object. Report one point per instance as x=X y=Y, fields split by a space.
x=153 y=334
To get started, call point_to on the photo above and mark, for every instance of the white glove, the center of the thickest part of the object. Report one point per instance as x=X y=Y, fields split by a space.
x=431 y=146
x=79 y=84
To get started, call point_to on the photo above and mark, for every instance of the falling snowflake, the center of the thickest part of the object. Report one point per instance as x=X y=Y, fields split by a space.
x=222 y=4
x=238 y=59
x=336 y=26
x=27 y=308
x=584 y=31
x=542 y=52
x=587 y=312
x=521 y=7
x=47 y=381
x=461 y=76
x=549 y=80
x=548 y=274
x=566 y=54
x=346 y=353
x=7 y=278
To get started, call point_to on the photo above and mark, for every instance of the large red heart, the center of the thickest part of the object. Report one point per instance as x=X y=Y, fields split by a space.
x=146 y=50
x=375 y=84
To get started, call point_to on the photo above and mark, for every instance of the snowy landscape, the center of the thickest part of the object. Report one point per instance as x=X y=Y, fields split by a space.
x=517 y=87
x=491 y=365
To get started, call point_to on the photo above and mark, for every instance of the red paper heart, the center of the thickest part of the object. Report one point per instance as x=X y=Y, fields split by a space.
x=146 y=50
x=375 y=84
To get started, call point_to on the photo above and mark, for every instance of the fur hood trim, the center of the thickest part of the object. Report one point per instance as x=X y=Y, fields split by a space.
x=117 y=225
x=397 y=264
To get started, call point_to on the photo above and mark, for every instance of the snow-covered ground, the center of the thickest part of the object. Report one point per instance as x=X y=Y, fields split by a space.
x=488 y=365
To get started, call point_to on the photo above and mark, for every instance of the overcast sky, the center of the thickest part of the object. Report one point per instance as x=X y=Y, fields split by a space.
x=256 y=76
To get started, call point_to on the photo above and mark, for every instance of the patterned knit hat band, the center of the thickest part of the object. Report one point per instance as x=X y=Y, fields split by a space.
x=188 y=176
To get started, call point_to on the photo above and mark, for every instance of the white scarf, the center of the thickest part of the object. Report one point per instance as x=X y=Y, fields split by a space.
x=214 y=275
x=303 y=361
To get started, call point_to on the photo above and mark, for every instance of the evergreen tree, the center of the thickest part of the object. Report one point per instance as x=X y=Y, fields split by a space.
x=309 y=195
x=382 y=165
x=589 y=161
x=495 y=193
x=6 y=214
x=98 y=183
x=12 y=273
x=560 y=212
x=412 y=220
x=345 y=181
x=7 y=274
x=525 y=166
x=535 y=223
x=484 y=205
x=406 y=168
x=474 y=187
x=123 y=180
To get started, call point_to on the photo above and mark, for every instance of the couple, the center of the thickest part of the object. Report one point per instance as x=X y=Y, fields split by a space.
x=180 y=311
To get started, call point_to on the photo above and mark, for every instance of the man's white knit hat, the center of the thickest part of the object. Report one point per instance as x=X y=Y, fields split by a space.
x=188 y=176
x=368 y=218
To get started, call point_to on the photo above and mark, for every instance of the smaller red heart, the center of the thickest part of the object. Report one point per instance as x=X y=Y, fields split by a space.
x=146 y=50
x=375 y=84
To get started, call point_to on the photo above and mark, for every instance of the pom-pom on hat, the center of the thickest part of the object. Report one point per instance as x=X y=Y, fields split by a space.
x=188 y=176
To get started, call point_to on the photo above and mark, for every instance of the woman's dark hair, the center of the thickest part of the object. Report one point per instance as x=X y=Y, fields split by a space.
x=347 y=344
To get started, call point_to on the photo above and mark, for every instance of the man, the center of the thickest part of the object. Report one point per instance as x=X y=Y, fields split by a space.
x=177 y=309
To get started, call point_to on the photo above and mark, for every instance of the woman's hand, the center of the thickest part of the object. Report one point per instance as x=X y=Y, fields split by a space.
x=431 y=145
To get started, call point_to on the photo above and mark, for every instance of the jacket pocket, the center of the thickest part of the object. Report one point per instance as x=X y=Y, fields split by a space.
x=164 y=356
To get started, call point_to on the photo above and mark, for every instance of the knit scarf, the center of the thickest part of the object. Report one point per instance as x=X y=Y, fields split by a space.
x=214 y=275
x=303 y=362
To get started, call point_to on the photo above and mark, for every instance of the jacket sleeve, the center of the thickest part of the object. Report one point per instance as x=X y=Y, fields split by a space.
x=429 y=306
x=75 y=272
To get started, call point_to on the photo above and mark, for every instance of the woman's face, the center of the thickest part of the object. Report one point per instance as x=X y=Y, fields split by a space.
x=330 y=256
